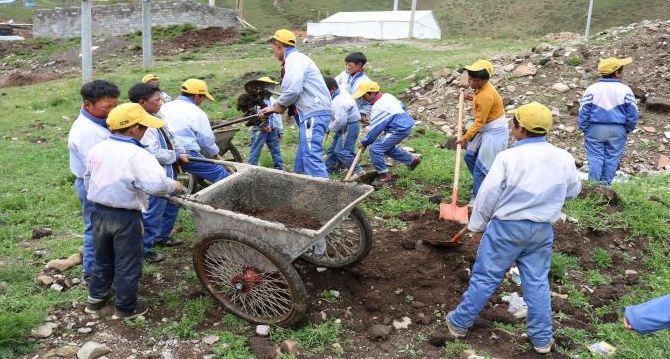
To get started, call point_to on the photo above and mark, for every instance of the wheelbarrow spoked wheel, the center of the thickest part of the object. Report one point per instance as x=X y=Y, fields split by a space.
x=347 y=244
x=251 y=280
x=189 y=181
x=237 y=157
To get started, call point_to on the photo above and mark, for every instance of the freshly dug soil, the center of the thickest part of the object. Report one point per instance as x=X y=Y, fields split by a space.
x=200 y=38
x=285 y=215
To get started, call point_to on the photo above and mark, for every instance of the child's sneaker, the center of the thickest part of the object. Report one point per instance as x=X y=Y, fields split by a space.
x=357 y=175
x=415 y=162
x=454 y=330
x=93 y=305
x=545 y=349
x=140 y=309
x=381 y=179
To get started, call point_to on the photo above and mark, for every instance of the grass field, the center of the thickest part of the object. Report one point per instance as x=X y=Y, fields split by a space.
x=36 y=190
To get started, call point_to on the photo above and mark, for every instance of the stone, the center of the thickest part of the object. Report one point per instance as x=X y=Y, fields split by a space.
x=418 y=305
x=63 y=264
x=629 y=272
x=84 y=330
x=508 y=68
x=658 y=104
x=289 y=347
x=57 y=287
x=210 y=339
x=378 y=332
x=649 y=129
x=41 y=233
x=44 y=279
x=663 y=162
x=560 y=87
x=402 y=324
x=263 y=330
x=437 y=339
x=166 y=354
x=68 y=351
x=463 y=80
x=92 y=350
x=337 y=348
x=525 y=70
x=511 y=88
x=468 y=353
x=44 y=331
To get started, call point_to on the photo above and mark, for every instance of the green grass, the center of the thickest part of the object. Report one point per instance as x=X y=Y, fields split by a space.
x=313 y=338
x=594 y=278
x=561 y=264
x=455 y=348
x=601 y=258
x=232 y=346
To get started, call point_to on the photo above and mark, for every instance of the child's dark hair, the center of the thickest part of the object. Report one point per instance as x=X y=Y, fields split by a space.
x=357 y=58
x=141 y=91
x=516 y=124
x=481 y=74
x=248 y=103
x=98 y=89
x=330 y=82
x=609 y=76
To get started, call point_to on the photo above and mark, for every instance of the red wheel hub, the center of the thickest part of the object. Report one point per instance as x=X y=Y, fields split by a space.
x=247 y=280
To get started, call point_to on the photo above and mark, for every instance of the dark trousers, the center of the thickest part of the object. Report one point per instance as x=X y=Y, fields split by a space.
x=117 y=239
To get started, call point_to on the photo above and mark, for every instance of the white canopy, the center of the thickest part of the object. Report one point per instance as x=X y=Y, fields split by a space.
x=379 y=25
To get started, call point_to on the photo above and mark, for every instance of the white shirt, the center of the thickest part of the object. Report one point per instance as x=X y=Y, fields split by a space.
x=118 y=174
x=190 y=126
x=84 y=134
x=344 y=110
x=529 y=181
x=352 y=83
x=303 y=84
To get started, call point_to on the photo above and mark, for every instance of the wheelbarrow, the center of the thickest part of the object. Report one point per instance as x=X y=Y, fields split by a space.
x=244 y=261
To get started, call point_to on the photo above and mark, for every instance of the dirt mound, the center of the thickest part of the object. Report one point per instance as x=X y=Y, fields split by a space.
x=557 y=75
x=285 y=215
x=200 y=38
x=21 y=78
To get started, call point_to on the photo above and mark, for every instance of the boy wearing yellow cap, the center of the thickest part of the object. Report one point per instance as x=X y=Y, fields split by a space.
x=192 y=129
x=270 y=131
x=302 y=88
x=389 y=116
x=488 y=135
x=607 y=113
x=153 y=79
x=520 y=198
x=119 y=174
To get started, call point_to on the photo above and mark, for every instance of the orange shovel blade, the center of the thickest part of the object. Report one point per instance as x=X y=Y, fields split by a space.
x=451 y=212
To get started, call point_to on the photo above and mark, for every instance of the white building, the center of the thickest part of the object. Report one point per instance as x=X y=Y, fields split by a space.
x=379 y=25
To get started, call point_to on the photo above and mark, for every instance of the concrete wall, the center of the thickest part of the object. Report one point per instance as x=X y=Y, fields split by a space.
x=123 y=19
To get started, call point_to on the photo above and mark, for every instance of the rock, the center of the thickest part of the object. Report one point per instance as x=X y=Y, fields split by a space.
x=39 y=253
x=263 y=330
x=337 y=348
x=418 y=305
x=463 y=80
x=166 y=354
x=560 y=87
x=508 y=68
x=68 y=351
x=423 y=319
x=437 y=339
x=557 y=295
x=468 y=353
x=41 y=233
x=378 y=332
x=649 y=129
x=639 y=93
x=511 y=88
x=663 y=163
x=569 y=129
x=43 y=331
x=44 y=279
x=57 y=287
x=525 y=70
x=63 y=264
x=632 y=277
x=436 y=198
x=84 y=330
x=92 y=350
x=210 y=339
x=402 y=324
x=658 y=104
x=629 y=272
x=289 y=347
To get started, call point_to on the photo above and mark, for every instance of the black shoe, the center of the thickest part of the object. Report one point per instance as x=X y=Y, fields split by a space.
x=140 y=309
x=170 y=242
x=415 y=162
x=381 y=179
x=153 y=257
x=93 y=308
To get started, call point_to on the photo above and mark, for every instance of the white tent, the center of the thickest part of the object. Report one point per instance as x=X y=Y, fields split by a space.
x=380 y=25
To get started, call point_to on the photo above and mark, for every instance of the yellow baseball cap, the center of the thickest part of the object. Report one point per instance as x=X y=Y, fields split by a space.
x=149 y=77
x=534 y=117
x=196 y=87
x=612 y=64
x=481 y=65
x=284 y=36
x=263 y=83
x=129 y=114
x=365 y=87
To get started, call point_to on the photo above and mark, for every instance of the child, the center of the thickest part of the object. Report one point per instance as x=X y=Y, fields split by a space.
x=88 y=130
x=118 y=173
x=388 y=116
x=345 y=126
x=161 y=215
x=648 y=317
x=270 y=131
x=520 y=198
x=607 y=114
x=488 y=135
x=192 y=129
x=153 y=79
x=352 y=77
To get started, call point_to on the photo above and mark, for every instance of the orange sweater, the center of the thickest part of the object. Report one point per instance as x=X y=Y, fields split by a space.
x=488 y=106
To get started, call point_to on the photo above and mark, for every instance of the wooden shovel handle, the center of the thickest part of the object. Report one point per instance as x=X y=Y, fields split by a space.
x=353 y=164
x=459 y=130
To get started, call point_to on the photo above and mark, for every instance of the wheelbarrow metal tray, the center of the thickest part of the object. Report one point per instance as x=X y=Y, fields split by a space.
x=254 y=188
x=223 y=137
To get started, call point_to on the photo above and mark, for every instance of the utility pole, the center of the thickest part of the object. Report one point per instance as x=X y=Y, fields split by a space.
x=395 y=5
x=239 y=5
x=588 y=21
x=211 y=3
x=86 y=42
x=411 y=20
x=146 y=35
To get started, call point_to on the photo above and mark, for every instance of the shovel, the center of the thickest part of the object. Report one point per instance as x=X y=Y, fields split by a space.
x=353 y=164
x=451 y=211
x=453 y=242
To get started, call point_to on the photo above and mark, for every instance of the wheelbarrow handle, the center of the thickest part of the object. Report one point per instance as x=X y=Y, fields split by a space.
x=235 y=121
x=237 y=165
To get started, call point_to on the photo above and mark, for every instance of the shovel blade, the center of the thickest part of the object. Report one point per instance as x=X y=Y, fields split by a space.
x=451 y=212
